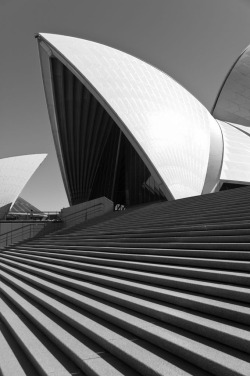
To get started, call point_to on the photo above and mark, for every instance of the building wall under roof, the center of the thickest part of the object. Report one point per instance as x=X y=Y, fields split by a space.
x=97 y=157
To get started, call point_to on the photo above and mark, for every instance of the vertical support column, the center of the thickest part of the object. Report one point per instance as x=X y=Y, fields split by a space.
x=116 y=165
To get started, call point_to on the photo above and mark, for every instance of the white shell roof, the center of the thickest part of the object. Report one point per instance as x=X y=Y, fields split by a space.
x=233 y=102
x=241 y=127
x=167 y=125
x=236 y=158
x=15 y=172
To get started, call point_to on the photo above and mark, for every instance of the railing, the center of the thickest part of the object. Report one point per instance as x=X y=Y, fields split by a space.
x=27 y=231
x=24 y=216
x=82 y=214
x=52 y=222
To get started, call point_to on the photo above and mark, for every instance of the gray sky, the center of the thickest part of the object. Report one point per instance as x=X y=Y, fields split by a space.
x=194 y=41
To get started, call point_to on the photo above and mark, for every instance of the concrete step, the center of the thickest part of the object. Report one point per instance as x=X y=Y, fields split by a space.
x=138 y=353
x=200 y=262
x=229 y=309
x=160 y=234
x=86 y=354
x=129 y=253
x=236 y=228
x=92 y=263
x=159 y=290
x=211 y=288
x=208 y=355
x=174 y=220
x=169 y=211
x=185 y=214
x=218 y=236
x=13 y=361
x=194 y=210
x=109 y=241
x=44 y=356
x=186 y=245
x=152 y=228
x=156 y=226
x=208 y=326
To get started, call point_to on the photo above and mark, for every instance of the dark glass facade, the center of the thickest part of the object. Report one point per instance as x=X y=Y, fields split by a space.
x=227 y=186
x=98 y=158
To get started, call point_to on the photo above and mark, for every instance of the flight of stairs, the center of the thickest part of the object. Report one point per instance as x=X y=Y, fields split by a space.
x=161 y=290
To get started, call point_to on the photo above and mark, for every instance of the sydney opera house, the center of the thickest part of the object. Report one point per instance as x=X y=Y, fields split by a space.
x=125 y=130
x=154 y=290
x=15 y=172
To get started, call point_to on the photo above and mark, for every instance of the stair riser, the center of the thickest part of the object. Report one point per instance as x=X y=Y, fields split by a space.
x=201 y=263
x=148 y=335
x=175 y=297
x=241 y=225
x=174 y=221
x=195 y=327
x=130 y=253
x=161 y=235
x=211 y=275
x=206 y=288
x=200 y=245
x=112 y=346
x=165 y=239
x=188 y=218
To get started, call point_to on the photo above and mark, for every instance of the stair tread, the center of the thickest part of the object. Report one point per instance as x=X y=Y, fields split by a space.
x=210 y=287
x=131 y=257
x=78 y=347
x=14 y=361
x=30 y=340
x=206 y=325
x=177 y=297
x=132 y=252
x=167 y=337
x=116 y=340
x=206 y=273
x=161 y=289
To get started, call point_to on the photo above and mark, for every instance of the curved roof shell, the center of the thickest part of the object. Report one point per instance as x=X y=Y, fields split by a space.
x=169 y=128
x=233 y=101
x=23 y=206
x=15 y=172
x=236 y=156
